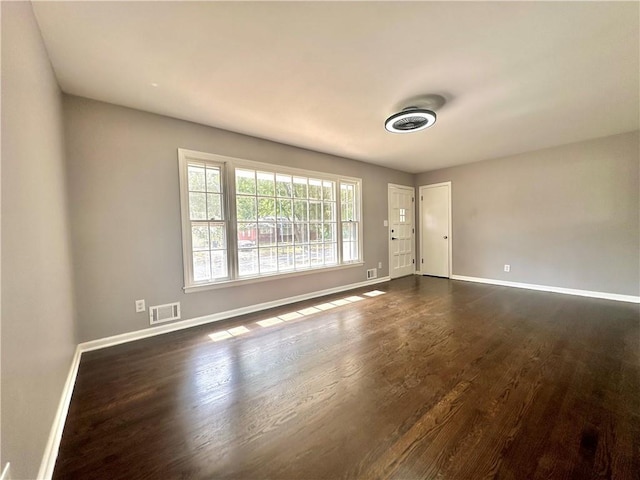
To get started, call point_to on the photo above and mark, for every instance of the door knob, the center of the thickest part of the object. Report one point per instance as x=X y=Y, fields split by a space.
x=445 y=237
x=393 y=238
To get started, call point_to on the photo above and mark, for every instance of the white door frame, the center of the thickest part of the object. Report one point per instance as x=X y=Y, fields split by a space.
x=449 y=237
x=413 y=216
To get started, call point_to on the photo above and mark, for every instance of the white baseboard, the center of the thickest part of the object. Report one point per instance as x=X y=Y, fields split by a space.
x=55 y=435
x=215 y=317
x=6 y=472
x=546 y=288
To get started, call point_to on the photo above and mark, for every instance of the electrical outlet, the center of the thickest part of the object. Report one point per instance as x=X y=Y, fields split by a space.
x=379 y=264
x=140 y=306
x=507 y=268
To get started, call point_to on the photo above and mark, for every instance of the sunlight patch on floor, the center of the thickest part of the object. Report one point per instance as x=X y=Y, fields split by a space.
x=325 y=306
x=309 y=311
x=354 y=298
x=290 y=316
x=216 y=337
x=286 y=317
x=238 y=331
x=269 y=321
x=374 y=293
x=341 y=302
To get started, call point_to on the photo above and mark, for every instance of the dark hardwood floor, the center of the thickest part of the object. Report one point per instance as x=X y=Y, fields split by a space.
x=435 y=379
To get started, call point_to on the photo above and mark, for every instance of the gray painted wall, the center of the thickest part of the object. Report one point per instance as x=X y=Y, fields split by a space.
x=563 y=217
x=38 y=339
x=125 y=212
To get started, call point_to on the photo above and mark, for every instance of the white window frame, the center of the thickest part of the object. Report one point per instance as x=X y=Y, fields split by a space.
x=228 y=166
x=357 y=218
x=184 y=156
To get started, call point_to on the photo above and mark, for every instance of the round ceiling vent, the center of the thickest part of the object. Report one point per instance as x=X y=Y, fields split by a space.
x=410 y=119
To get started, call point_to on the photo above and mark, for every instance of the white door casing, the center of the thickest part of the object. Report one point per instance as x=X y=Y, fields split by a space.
x=401 y=230
x=435 y=230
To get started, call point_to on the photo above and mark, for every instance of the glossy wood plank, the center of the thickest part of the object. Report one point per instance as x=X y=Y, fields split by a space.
x=435 y=379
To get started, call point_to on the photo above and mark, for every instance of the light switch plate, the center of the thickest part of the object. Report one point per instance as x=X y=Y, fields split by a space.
x=140 y=306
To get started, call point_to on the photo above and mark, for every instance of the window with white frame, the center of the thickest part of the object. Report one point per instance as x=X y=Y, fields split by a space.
x=242 y=220
x=350 y=220
x=207 y=225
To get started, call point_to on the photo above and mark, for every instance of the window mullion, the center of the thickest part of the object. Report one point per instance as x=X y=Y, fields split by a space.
x=232 y=222
x=338 y=197
x=358 y=210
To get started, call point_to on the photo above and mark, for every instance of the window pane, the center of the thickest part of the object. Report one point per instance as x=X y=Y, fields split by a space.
x=329 y=232
x=245 y=181
x=214 y=206
x=219 y=264
x=327 y=190
x=285 y=210
x=350 y=242
x=283 y=185
x=196 y=178
x=329 y=211
x=315 y=254
x=315 y=189
x=302 y=255
x=285 y=232
x=346 y=211
x=347 y=197
x=213 y=180
x=285 y=258
x=299 y=187
x=199 y=237
x=330 y=254
x=266 y=209
x=198 y=206
x=266 y=185
x=346 y=192
x=315 y=211
x=300 y=213
x=217 y=237
x=315 y=232
x=268 y=260
x=266 y=234
x=349 y=231
x=246 y=208
x=247 y=261
x=301 y=233
x=247 y=235
x=201 y=266
x=349 y=251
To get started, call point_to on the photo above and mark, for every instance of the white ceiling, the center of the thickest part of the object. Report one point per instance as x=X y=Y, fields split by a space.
x=324 y=75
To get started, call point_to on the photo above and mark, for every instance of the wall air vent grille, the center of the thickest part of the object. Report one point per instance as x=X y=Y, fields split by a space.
x=372 y=273
x=164 y=313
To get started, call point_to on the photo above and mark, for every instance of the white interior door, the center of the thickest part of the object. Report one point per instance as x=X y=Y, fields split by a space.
x=435 y=229
x=401 y=231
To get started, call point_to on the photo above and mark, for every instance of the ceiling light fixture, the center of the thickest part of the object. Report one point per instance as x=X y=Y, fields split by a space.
x=410 y=119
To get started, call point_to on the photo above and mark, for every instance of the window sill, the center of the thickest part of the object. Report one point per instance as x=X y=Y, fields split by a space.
x=275 y=276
